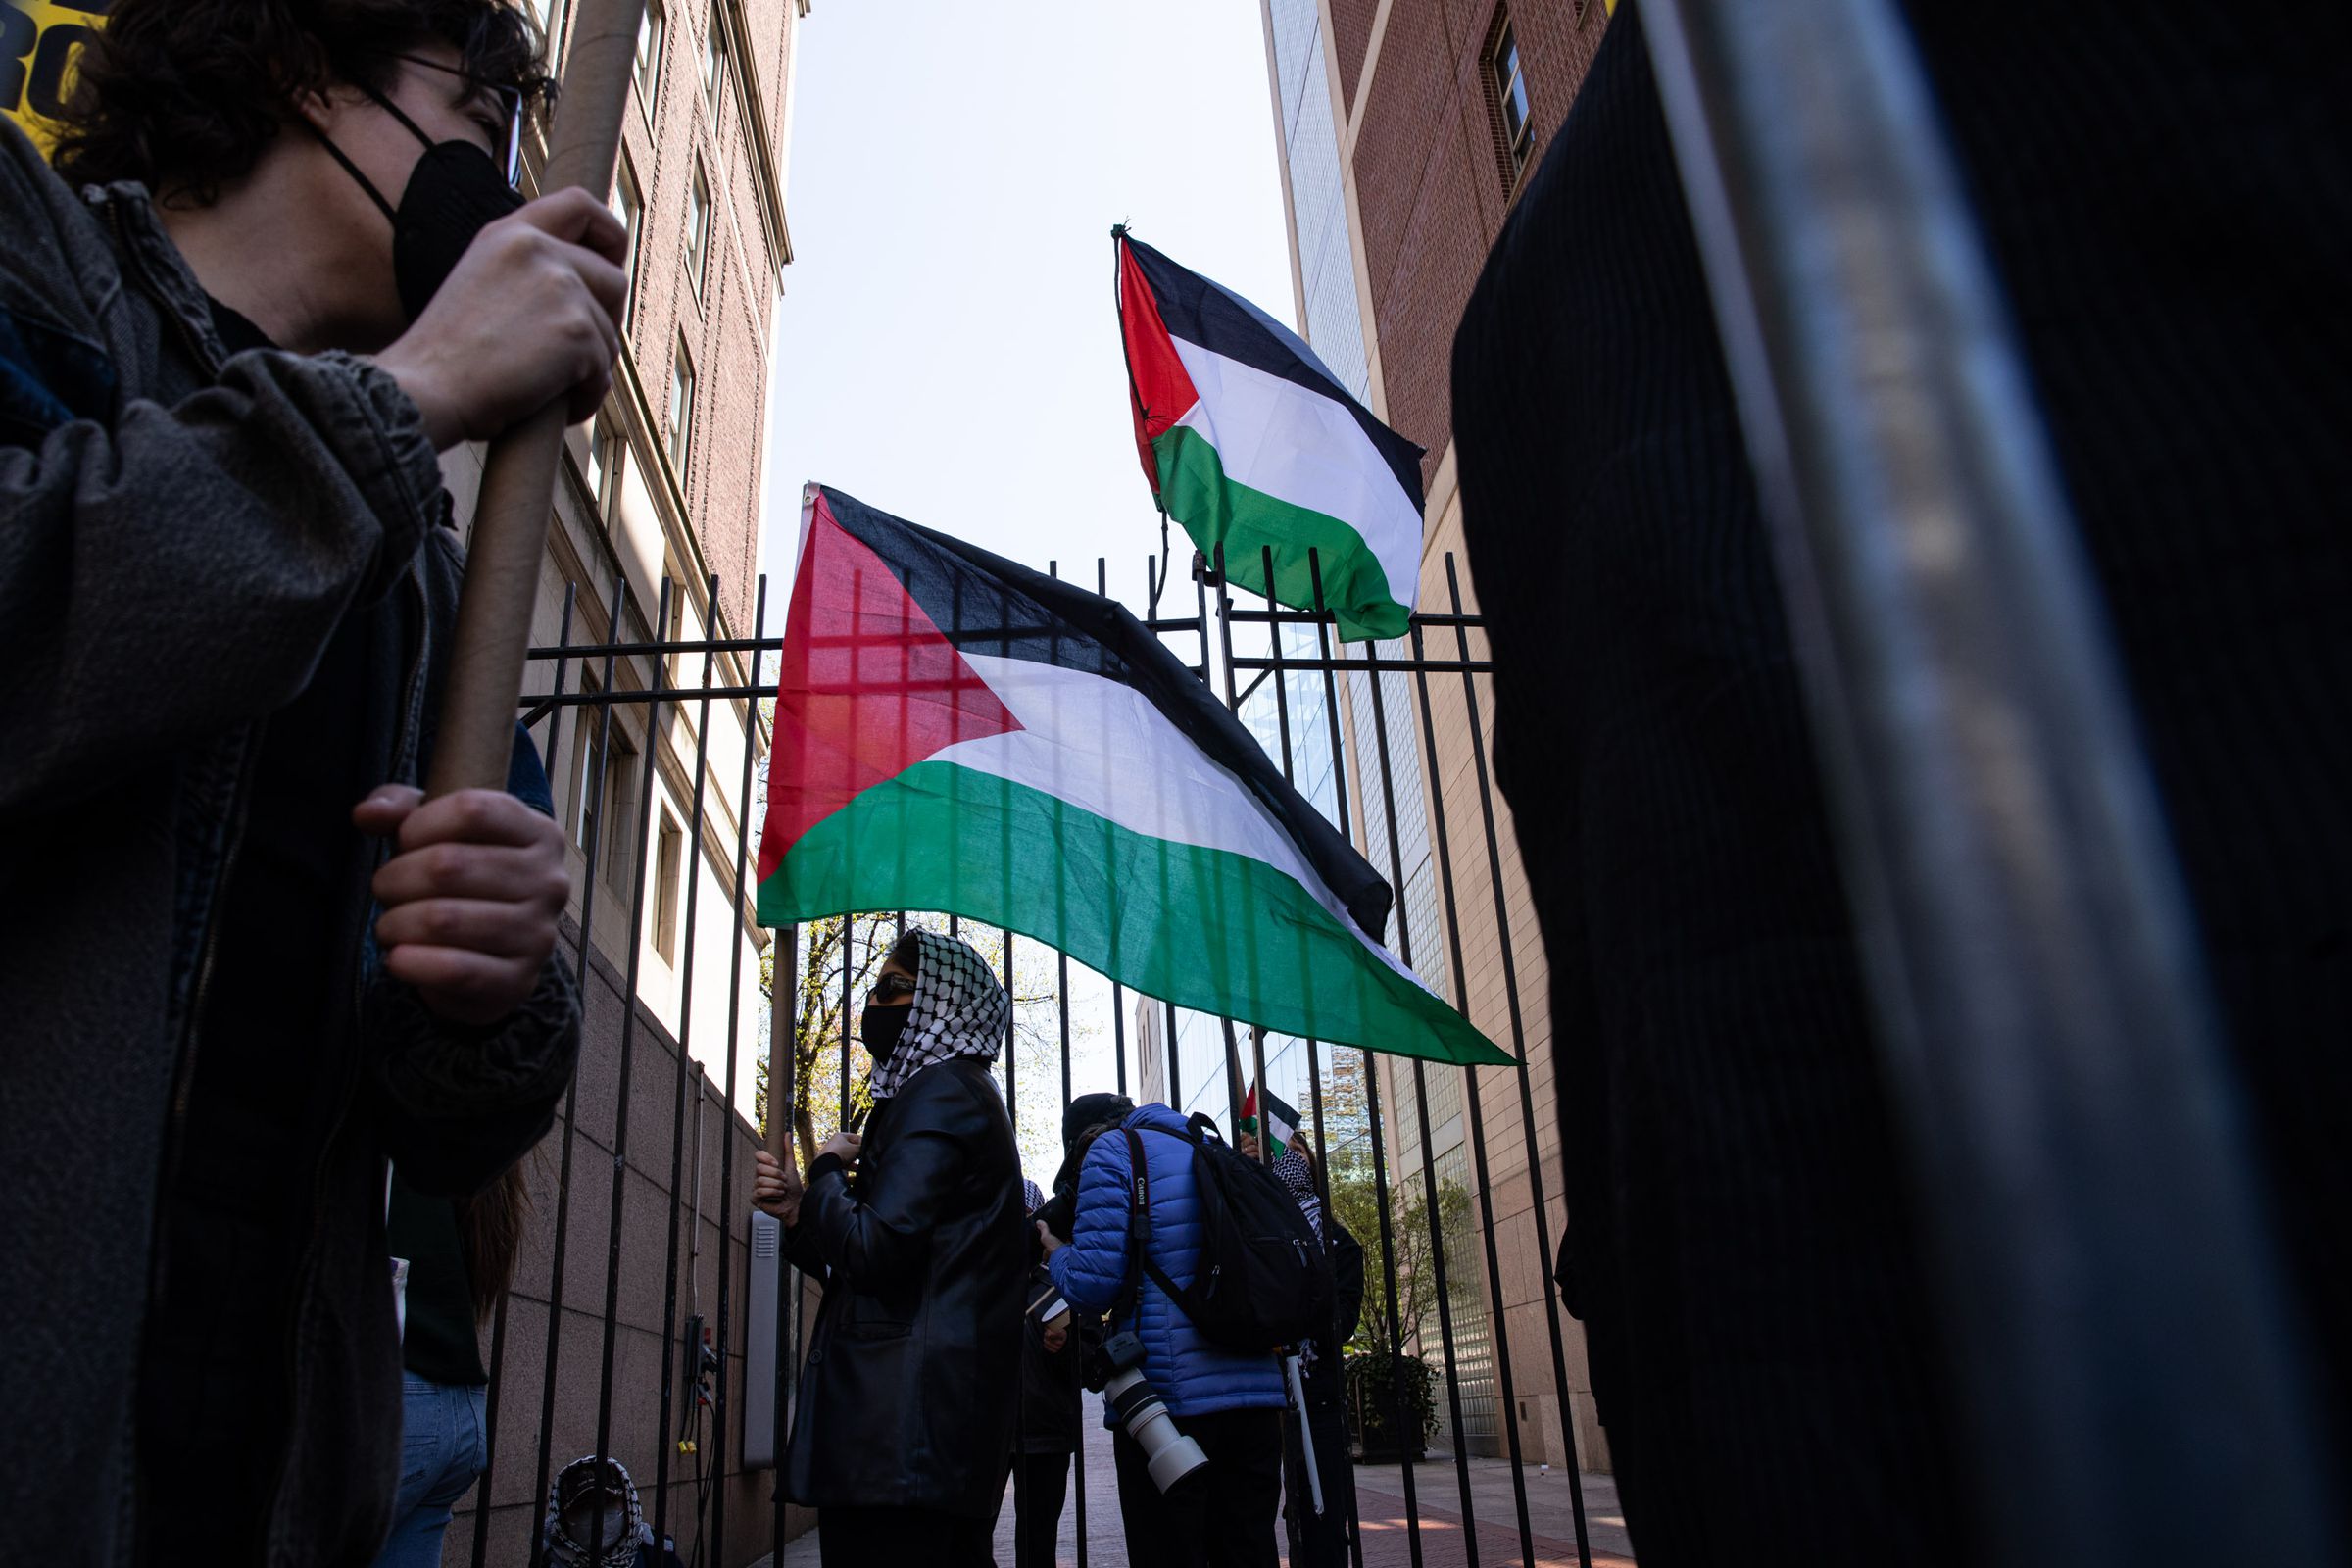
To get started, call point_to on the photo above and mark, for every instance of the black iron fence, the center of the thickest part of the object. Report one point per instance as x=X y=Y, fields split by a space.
x=641 y=1251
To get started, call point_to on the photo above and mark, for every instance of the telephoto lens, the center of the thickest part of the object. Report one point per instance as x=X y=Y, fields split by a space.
x=1169 y=1454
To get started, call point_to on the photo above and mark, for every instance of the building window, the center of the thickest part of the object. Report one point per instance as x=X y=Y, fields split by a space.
x=668 y=858
x=681 y=409
x=1507 y=101
x=616 y=813
x=587 y=766
x=697 y=229
x=549 y=13
x=673 y=632
x=648 y=58
x=602 y=767
x=608 y=461
x=593 y=472
x=714 y=62
x=629 y=208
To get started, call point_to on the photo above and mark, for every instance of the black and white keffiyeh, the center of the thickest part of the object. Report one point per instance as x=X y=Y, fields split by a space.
x=958 y=1010
x=1294 y=1172
x=598 y=1496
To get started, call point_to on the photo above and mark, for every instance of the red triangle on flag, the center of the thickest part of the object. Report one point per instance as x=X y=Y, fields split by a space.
x=869 y=687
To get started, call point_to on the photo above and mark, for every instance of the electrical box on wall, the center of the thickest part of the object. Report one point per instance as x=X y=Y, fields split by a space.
x=761 y=1417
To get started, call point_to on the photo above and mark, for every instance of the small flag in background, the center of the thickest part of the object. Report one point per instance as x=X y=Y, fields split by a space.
x=1250 y=442
x=959 y=733
x=1282 y=1121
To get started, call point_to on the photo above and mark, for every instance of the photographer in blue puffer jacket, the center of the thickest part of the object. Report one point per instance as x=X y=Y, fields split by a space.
x=1229 y=1404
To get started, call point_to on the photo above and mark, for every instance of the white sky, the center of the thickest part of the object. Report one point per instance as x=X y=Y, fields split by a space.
x=948 y=348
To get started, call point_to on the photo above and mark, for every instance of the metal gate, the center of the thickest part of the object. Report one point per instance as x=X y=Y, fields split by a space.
x=643 y=1236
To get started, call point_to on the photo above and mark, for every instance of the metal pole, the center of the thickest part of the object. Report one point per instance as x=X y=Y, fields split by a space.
x=1477 y=1120
x=628 y=1040
x=1409 y=1438
x=691 y=871
x=591 y=806
x=2045 y=1023
x=1428 y=1156
x=726 y=1167
x=498 y=1325
x=783 y=1109
x=1527 y=1098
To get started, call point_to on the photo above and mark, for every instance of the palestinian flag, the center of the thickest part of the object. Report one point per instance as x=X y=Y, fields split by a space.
x=1282 y=1121
x=1250 y=442
x=958 y=733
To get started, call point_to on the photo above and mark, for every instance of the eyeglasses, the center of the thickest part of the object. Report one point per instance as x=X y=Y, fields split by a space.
x=890 y=988
x=509 y=99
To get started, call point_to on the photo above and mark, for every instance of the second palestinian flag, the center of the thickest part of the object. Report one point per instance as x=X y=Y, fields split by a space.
x=954 y=732
x=1281 y=1118
x=1251 y=442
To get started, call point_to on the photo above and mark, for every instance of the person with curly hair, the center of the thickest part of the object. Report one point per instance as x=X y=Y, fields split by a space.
x=280 y=265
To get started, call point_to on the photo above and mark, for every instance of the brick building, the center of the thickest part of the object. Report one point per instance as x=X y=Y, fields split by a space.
x=1405 y=128
x=665 y=482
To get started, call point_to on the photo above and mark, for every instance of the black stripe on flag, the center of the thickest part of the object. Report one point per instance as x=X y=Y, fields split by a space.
x=984 y=604
x=1208 y=314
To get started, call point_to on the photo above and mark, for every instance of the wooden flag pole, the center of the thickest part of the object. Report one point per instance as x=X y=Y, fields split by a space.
x=518 y=482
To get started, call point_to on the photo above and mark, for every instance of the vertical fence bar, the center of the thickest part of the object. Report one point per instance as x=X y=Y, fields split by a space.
x=691 y=869
x=1233 y=704
x=1409 y=1438
x=2045 y=1020
x=783 y=1116
x=628 y=1042
x=1506 y=1388
x=1062 y=991
x=1012 y=1039
x=726 y=1168
x=1526 y=1094
x=849 y=956
x=498 y=1323
x=590 y=806
x=1175 y=1088
x=1428 y=1156
x=1314 y=1065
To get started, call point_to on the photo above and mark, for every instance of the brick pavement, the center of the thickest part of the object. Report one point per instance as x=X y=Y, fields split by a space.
x=1380 y=1508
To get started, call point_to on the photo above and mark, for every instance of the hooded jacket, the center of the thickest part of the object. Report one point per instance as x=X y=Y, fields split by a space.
x=181 y=534
x=1194 y=1376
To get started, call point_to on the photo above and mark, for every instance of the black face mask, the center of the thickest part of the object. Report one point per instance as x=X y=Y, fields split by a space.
x=454 y=193
x=880 y=1028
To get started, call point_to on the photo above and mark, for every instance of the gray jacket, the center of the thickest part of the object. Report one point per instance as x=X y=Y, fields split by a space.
x=181 y=534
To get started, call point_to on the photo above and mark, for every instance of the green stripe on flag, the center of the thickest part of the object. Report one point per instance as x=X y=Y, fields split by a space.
x=1207 y=929
x=1215 y=509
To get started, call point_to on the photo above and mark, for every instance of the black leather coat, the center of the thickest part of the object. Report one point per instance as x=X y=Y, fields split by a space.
x=908 y=1395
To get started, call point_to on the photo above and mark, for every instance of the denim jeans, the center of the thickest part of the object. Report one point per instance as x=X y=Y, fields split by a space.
x=442 y=1449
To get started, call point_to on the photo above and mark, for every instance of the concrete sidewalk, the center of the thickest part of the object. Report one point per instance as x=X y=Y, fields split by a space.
x=1380 y=1512
x=1380 y=1509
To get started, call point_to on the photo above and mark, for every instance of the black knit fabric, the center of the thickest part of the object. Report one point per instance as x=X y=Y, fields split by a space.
x=2166 y=191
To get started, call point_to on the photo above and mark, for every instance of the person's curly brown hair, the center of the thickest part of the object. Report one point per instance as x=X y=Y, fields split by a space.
x=183 y=95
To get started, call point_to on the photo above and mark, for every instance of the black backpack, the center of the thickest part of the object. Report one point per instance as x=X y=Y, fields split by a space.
x=1260 y=1280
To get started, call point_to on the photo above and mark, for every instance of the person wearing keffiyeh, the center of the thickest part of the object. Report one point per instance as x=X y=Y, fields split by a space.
x=909 y=1393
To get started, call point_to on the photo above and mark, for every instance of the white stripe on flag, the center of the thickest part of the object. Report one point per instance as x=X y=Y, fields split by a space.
x=1282 y=440
x=1101 y=746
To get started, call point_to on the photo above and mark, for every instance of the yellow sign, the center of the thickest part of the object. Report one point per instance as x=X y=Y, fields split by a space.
x=38 y=40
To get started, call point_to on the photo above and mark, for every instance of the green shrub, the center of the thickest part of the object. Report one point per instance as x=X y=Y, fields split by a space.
x=1374 y=1379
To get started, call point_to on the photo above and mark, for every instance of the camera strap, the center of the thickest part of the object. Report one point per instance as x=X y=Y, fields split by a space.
x=1139 y=1227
